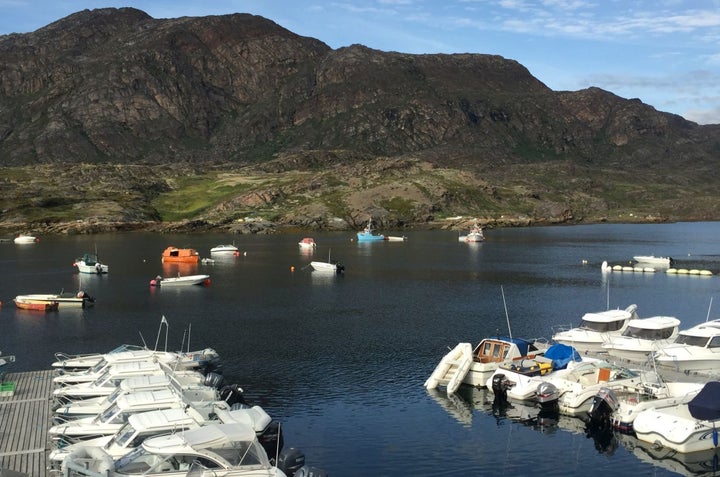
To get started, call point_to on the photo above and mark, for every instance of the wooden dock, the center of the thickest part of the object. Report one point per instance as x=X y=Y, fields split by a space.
x=24 y=423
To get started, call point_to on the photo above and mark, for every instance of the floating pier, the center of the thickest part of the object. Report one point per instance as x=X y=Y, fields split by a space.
x=25 y=411
x=639 y=269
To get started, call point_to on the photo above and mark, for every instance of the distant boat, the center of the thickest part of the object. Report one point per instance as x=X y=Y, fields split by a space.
x=225 y=250
x=22 y=238
x=89 y=263
x=329 y=266
x=368 y=234
x=474 y=235
x=27 y=304
x=180 y=281
x=180 y=255
x=653 y=260
x=307 y=242
x=64 y=300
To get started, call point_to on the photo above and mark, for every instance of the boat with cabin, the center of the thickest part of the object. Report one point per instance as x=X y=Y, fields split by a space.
x=474 y=235
x=180 y=255
x=89 y=263
x=653 y=260
x=368 y=234
x=642 y=337
x=307 y=243
x=696 y=349
x=595 y=329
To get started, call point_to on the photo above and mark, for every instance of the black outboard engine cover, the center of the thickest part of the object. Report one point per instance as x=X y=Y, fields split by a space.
x=547 y=395
x=291 y=461
x=306 y=471
x=272 y=440
x=214 y=380
x=500 y=385
x=603 y=405
x=232 y=394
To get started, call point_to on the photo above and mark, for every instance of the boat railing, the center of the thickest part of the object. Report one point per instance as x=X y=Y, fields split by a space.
x=561 y=328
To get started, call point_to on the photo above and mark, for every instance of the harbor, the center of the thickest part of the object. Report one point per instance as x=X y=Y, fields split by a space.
x=24 y=423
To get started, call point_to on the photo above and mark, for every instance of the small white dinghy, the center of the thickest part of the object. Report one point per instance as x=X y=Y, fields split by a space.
x=452 y=368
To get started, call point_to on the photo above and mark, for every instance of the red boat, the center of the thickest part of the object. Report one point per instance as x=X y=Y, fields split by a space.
x=30 y=305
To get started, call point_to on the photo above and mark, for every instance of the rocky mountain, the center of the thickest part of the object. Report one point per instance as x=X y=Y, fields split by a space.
x=113 y=116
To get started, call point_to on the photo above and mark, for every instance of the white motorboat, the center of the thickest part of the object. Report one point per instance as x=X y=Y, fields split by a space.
x=216 y=449
x=573 y=389
x=24 y=239
x=64 y=300
x=180 y=281
x=89 y=263
x=474 y=366
x=106 y=383
x=653 y=260
x=144 y=425
x=173 y=360
x=112 y=419
x=474 y=235
x=225 y=250
x=642 y=337
x=202 y=359
x=695 y=350
x=686 y=427
x=331 y=266
x=618 y=409
x=595 y=329
x=188 y=385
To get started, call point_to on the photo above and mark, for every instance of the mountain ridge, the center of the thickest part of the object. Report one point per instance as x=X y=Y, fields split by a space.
x=115 y=86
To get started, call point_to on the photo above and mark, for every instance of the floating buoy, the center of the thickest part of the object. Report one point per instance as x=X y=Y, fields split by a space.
x=671 y=270
x=705 y=273
x=292 y=269
x=682 y=271
x=244 y=254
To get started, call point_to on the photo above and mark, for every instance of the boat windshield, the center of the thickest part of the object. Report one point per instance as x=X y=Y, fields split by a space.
x=139 y=461
x=123 y=436
x=647 y=334
x=100 y=380
x=98 y=366
x=112 y=415
x=601 y=326
x=692 y=340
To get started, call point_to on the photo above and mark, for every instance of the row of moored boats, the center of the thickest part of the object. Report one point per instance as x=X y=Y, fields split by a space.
x=642 y=376
x=134 y=411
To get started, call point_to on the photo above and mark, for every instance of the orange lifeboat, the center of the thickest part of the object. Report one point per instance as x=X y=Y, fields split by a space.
x=180 y=255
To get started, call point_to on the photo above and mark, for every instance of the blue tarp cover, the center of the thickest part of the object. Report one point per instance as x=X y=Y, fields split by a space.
x=706 y=405
x=561 y=355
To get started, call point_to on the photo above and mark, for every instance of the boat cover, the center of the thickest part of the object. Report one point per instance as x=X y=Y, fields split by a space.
x=706 y=405
x=561 y=355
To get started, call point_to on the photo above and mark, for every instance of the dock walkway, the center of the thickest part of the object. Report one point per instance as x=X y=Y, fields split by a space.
x=24 y=424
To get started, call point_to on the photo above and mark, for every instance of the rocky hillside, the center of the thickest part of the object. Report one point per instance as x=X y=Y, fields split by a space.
x=112 y=117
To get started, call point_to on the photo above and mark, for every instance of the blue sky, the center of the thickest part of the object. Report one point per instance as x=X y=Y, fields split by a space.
x=664 y=52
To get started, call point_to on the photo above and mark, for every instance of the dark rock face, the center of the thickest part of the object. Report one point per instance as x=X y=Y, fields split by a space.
x=115 y=86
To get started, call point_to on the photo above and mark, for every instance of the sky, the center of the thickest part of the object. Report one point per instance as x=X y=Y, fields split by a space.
x=664 y=52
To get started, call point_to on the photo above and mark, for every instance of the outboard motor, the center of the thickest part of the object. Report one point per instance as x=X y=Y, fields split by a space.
x=291 y=461
x=500 y=385
x=272 y=440
x=232 y=394
x=214 y=380
x=603 y=405
x=547 y=395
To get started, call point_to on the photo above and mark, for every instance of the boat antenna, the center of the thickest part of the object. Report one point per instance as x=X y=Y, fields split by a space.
x=507 y=317
x=162 y=322
x=182 y=344
x=708 y=313
x=189 y=331
x=607 y=305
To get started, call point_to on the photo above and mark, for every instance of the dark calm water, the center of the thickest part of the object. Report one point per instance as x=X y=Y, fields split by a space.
x=341 y=360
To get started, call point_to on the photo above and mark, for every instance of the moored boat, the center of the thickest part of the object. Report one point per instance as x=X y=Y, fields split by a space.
x=368 y=234
x=180 y=255
x=25 y=304
x=225 y=250
x=89 y=263
x=307 y=243
x=180 y=280
x=331 y=266
x=64 y=300
x=595 y=329
x=653 y=260
x=23 y=238
x=642 y=337
x=694 y=350
x=474 y=235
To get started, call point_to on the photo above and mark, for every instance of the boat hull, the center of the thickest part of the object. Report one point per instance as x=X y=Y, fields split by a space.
x=61 y=301
x=95 y=269
x=181 y=281
x=23 y=305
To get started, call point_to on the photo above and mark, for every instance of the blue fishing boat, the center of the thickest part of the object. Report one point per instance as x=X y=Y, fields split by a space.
x=367 y=234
